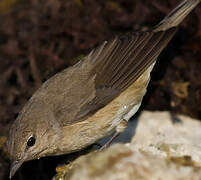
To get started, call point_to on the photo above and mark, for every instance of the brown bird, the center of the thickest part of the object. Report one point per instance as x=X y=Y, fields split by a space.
x=93 y=98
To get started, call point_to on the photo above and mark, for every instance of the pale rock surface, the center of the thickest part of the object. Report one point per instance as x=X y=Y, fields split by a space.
x=160 y=149
x=156 y=129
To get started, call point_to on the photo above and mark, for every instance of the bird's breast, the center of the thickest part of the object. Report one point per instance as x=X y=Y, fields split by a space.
x=81 y=134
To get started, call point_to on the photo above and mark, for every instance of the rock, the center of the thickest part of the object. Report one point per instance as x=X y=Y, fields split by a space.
x=162 y=148
x=181 y=134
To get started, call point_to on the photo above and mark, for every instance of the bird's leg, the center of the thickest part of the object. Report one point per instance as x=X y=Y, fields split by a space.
x=119 y=129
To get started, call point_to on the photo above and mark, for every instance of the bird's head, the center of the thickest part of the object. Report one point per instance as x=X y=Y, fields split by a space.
x=31 y=136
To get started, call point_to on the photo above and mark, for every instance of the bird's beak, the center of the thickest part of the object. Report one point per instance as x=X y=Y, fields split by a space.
x=15 y=165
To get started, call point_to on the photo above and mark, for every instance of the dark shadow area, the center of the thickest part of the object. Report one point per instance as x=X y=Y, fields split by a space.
x=45 y=168
x=175 y=119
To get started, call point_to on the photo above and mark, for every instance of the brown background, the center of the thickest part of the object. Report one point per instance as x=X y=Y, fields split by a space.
x=41 y=37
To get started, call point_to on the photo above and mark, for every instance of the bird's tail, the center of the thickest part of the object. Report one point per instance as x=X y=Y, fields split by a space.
x=177 y=15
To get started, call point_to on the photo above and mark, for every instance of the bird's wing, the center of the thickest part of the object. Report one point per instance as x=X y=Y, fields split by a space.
x=108 y=70
x=115 y=65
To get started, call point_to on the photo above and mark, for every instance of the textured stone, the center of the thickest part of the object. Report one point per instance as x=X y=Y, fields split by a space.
x=181 y=134
x=164 y=147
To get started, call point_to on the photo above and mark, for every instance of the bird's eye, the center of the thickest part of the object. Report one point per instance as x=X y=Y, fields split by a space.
x=31 y=141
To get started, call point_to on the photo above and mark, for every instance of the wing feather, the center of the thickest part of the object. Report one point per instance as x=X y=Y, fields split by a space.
x=116 y=64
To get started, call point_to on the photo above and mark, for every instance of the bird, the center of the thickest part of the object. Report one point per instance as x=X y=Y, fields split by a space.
x=93 y=98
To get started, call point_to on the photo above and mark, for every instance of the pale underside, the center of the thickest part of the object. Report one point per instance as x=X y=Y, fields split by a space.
x=109 y=118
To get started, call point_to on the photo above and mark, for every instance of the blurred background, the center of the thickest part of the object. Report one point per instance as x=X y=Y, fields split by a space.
x=41 y=37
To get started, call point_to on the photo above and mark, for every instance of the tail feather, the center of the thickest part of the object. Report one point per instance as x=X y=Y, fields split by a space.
x=177 y=15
